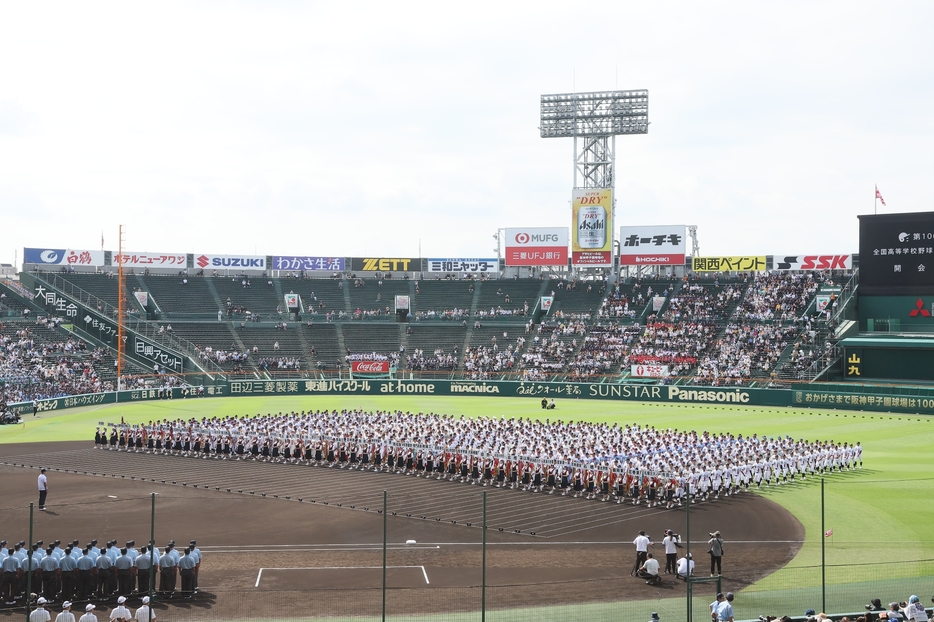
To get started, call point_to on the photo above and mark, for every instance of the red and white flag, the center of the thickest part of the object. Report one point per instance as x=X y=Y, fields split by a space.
x=830 y=531
x=879 y=196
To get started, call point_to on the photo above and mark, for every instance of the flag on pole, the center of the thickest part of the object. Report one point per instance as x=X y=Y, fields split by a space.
x=830 y=531
x=879 y=196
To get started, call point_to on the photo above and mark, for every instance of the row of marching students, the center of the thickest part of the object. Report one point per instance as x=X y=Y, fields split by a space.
x=582 y=481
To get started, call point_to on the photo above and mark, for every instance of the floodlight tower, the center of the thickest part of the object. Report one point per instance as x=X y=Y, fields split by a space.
x=594 y=120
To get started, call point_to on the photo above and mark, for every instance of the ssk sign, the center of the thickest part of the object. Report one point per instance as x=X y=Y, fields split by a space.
x=369 y=367
x=242 y=262
x=537 y=246
x=814 y=262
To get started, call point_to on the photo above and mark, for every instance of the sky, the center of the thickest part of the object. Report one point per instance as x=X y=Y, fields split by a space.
x=410 y=129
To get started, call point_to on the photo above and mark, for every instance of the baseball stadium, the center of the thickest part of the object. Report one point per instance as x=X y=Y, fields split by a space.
x=592 y=421
x=364 y=437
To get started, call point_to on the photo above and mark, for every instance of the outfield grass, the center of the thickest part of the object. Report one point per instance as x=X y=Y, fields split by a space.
x=883 y=513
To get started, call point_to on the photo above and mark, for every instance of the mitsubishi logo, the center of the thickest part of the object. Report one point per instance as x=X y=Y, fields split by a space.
x=919 y=310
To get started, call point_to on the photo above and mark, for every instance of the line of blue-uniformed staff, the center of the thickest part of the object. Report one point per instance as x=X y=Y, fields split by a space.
x=71 y=573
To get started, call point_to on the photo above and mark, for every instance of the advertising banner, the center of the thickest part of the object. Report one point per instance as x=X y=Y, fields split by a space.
x=402 y=303
x=648 y=246
x=463 y=265
x=143 y=298
x=227 y=262
x=297 y=262
x=592 y=222
x=537 y=246
x=291 y=301
x=151 y=260
x=63 y=257
x=813 y=262
x=753 y=263
x=386 y=264
x=822 y=300
x=649 y=371
x=104 y=328
x=546 y=302
x=896 y=254
x=369 y=367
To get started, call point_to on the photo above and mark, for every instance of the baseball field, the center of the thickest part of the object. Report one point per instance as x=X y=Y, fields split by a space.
x=874 y=533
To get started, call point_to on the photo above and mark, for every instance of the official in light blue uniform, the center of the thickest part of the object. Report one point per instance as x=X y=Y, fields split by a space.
x=131 y=549
x=68 y=566
x=49 y=567
x=86 y=566
x=186 y=567
x=168 y=568
x=143 y=568
x=196 y=553
x=105 y=576
x=725 y=610
x=124 y=567
x=9 y=578
x=112 y=551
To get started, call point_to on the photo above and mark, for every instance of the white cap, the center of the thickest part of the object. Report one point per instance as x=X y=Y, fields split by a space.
x=121 y=600
x=145 y=600
x=89 y=607
x=66 y=604
x=42 y=601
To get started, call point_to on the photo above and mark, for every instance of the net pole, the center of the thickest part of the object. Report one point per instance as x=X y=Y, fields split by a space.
x=823 y=551
x=152 y=552
x=483 y=564
x=29 y=567
x=384 y=555
x=687 y=532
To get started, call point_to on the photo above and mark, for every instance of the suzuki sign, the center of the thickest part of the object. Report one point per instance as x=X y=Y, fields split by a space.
x=227 y=262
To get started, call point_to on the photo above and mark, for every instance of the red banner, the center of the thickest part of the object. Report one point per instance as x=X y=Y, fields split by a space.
x=369 y=367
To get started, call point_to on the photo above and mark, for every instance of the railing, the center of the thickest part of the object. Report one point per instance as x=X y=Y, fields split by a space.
x=845 y=294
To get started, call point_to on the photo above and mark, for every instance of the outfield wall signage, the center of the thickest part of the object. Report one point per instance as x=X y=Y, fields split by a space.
x=749 y=263
x=699 y=396
x=114 y=397
x=63 y=257
x=652 y=246
x=151 y=260
x=896 y=254
x=303 y=262
x=386 y=264
x=592 y=232
x=463 y=265
x=537 y=246
x=633 y=392
x=229 y=262
x=813 y=262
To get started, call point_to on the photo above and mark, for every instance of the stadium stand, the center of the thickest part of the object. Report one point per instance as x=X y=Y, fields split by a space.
x=708 y=330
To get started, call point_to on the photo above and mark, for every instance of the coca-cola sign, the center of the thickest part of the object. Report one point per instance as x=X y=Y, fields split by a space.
x=370 y=367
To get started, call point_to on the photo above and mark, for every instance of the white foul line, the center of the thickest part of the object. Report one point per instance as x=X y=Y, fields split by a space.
x=259 y=575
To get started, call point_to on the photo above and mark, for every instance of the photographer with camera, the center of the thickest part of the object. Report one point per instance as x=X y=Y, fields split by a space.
x=671 y=542
x=715 y=549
